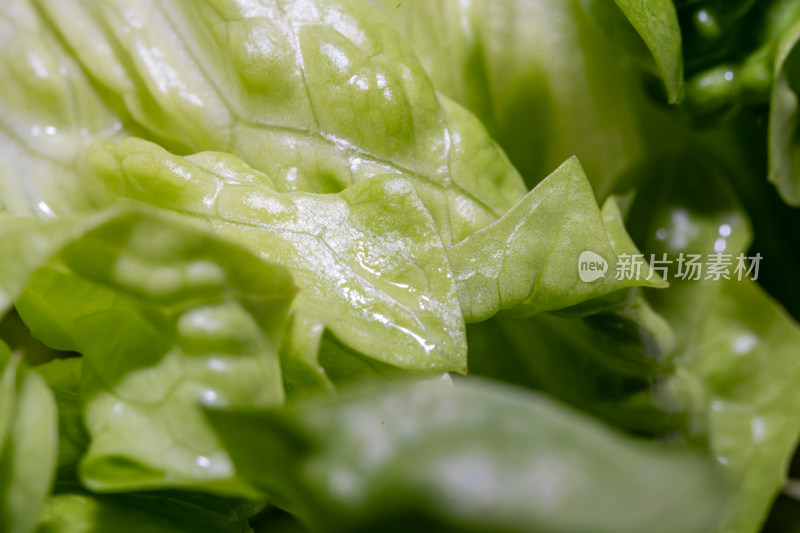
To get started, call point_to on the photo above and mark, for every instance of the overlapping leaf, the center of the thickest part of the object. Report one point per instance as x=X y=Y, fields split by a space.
x=548 y=77
x=318 y=95
x=50 y=111
x=369 y=260
x=165 y=317
x=737 y=358
x=529 y=260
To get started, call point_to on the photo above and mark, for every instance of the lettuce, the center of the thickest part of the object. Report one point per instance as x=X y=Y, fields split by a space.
x=469 y=454
x=247 y=247
x=172 y=312
x=540 y=75
x=29 y=436
x=77 y=512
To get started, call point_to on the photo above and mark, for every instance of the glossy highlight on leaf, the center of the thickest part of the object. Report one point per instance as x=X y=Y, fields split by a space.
x=369 y=260
x=50 y=112
x=280 y=84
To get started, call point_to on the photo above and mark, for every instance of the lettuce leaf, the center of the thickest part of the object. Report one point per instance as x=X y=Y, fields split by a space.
x=255 y=144
x=50 y=112
x=63 y=376
x=166 y=317
x=742 y=383
x=468 y=455
x=369 y=260
x=736 y=359
x=783 y=151
x=528 y=261
x=85 y=513
x=28 y=445
x=550 y=78
x=657 y=24
x=278 y=84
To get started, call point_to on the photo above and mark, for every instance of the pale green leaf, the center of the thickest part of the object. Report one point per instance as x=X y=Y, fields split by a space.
x=528 y=261
x=319 y=96
x=28 y=447
x=166 y=318
x=369 y=260
x=50 y=111
x=547 y=78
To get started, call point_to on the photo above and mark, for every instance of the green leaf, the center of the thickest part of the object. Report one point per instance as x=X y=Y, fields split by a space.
x=369 y=260
x=28 y=447
x=545 y=78
x=657 y=24
x=471 y=455
x=742 y=380
x=49 y=113
x=529 y=260
x=63 y=376
x=612 y=363
x=135 y=513
x=735 y=373
x=166 y=317
x=736 y=362
x=25 y=244
x=784 y=153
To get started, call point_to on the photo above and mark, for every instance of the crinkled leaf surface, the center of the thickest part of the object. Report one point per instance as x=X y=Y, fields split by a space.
x=28 y=446
x=49 y=113
x=166 y=317
x=471 y=455
x=609 y=355
x=528 y=261
x=369 y=260
x=317 y=95
x=323 y=99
